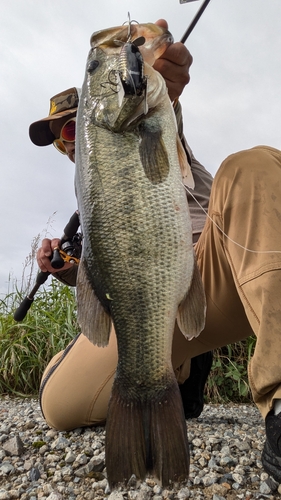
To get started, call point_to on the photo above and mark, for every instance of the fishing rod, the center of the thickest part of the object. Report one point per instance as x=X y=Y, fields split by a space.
x=195 y=19
x=69 y=251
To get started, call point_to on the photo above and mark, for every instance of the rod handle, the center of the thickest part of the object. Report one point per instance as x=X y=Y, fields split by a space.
x=21 y=311
x=25 y=305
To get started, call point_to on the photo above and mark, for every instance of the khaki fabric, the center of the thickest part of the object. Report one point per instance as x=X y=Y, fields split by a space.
x=78 y=390
x=239 y=257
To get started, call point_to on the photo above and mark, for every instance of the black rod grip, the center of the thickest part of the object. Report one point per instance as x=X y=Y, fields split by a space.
x=25 y=305
x=21 y=311
x=71 y=227
x=57 y=261
x=42 y=276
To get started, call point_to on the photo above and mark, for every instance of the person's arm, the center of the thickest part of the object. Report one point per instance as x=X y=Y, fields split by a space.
x=67 y=276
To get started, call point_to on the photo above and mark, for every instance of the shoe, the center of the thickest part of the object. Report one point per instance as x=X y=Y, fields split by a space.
x=192 y=390
x=271 y=455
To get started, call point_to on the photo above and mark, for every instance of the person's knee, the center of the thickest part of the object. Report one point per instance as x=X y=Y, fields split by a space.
x=249 y=163
x=65 y=417
x=244 y=175
x=66 y=406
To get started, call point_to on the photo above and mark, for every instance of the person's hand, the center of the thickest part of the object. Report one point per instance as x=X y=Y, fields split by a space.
x=174 y=65
x=45 y=253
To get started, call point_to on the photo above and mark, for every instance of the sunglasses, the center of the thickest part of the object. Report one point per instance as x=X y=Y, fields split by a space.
x=67 y=134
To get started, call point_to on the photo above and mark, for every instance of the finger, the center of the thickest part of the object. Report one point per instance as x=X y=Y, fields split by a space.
x=42 y=260
x=178 y=54
x=45 y=253
x=56 y=242
x=46 y=247
x=163 y=23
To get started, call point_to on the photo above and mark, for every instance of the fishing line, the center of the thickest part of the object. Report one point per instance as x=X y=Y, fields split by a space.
x=221 y=230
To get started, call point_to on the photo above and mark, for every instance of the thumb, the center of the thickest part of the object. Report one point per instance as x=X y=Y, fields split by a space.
x=163 y=23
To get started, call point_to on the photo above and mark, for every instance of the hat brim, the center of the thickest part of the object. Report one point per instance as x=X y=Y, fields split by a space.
x=40 y=132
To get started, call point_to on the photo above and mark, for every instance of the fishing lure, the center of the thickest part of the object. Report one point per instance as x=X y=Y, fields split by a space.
x=130 y=65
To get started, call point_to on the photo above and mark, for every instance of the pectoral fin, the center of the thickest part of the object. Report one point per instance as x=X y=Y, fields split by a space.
x=192 y=310
x=94 y=321
x=187 y=177
x=154 y=155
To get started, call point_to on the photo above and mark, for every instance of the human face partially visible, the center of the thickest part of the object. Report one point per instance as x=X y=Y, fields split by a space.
x=56 y=128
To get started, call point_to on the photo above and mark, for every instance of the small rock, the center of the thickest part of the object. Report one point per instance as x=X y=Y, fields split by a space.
x=264 y=488
x=212 y=464
x=7 y=468
x=14 y=494
x=183 y=494
x=228 y=461
x=55 y=495
x=4 y=495
x=60 y=443
x=30 y=424
x=238 y=478
x=47 y=489
x=115 y=496
x=98 y=463
x=14 y=446
x=34 y=474
x=197 y=442
x=81 y=459
x=70 y=458
x=132 y=483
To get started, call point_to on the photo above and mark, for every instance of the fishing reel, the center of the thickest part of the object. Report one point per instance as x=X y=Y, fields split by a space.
x=69 y=251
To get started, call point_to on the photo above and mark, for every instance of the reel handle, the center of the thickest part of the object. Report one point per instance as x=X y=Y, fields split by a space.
x=57 y=261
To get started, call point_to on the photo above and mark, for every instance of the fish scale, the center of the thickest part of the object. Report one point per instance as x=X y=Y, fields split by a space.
x=137 y=267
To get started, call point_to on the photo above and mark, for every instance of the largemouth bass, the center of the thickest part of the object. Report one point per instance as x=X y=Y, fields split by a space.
x=137 y=268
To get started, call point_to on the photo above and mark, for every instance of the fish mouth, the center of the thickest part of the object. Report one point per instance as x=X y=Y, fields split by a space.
x=126 y=55
x=156 y=39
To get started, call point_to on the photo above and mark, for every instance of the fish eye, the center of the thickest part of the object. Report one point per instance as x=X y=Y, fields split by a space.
x=139 y=41
x=92 y=66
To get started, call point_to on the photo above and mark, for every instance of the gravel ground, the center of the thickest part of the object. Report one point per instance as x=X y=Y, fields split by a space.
x=37 y=462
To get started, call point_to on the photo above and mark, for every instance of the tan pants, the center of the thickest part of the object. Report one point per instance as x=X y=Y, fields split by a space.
x=243 y=290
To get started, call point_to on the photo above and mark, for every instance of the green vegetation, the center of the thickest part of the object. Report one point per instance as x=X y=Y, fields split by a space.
x=228 y=380
x=27 y=347
x=50 y=324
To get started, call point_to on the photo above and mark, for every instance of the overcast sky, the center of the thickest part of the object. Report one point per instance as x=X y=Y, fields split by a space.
x=232 y=101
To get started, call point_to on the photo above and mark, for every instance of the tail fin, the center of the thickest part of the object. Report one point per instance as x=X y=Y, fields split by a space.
x=146 y=435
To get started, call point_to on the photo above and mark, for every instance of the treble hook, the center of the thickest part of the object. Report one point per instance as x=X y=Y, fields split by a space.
x=129 y=27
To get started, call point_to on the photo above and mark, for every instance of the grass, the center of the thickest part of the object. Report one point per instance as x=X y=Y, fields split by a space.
x=50 y=324
x=228 y=380
x=28 y=346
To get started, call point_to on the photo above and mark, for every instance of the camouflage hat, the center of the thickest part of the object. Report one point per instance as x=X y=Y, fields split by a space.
x=62 y=104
